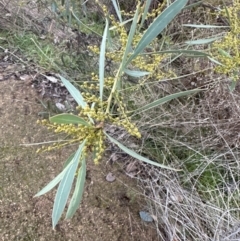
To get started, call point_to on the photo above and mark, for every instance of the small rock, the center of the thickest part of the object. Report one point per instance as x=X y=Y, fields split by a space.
x=51 y=79
x=60 y=106
x=145 y=216
x=110 y=177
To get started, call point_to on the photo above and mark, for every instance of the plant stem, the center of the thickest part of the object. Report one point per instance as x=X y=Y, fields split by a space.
x=118 y=75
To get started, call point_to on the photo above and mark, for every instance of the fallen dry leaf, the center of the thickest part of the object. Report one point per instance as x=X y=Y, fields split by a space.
x=132 y=166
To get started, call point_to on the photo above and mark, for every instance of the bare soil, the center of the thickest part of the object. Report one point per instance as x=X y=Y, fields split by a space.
x=109 y=211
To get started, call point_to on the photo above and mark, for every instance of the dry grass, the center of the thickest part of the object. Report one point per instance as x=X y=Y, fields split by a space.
x=198 y=134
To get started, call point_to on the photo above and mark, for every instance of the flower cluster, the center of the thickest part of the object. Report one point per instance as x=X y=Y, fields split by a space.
x=150 y=61
x=110 y=109
x=227 y=50
x=99 y=113
x=95 y=115
x=93 y=134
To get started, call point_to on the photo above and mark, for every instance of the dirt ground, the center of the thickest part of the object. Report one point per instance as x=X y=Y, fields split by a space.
x=109 y=211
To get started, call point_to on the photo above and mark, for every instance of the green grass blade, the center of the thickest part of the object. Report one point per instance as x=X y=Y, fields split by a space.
x=68 y=119
x=117 y=9
x=85 y=25
x=202 y=41
x=203 y=26
x=102 y=59
x=65 y=187
x=56 y=180
x=157 y=26
x=137 y=156
x=136 y=73
x=166 y=99
x=75 y=93
x=78 y=192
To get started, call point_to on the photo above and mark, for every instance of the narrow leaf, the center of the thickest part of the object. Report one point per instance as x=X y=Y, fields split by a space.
x=214 y=61
x=193 y=5
x=102 y=60
x=179 y=51
x=166 y=99
x=224 y=53
x=68 y=160
x=227 y=12
x=74 y=92
x=121 y=24
x=135 y=73
x=157 y=26
x=55 y=181
x=131 y=34
x=137 y=156
x=78 y=192
x=203 y=26
x=144 y=15
x=117 y=9
x=202 y=41
x=65 y=187
x=68 y=119
x=185 y=51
